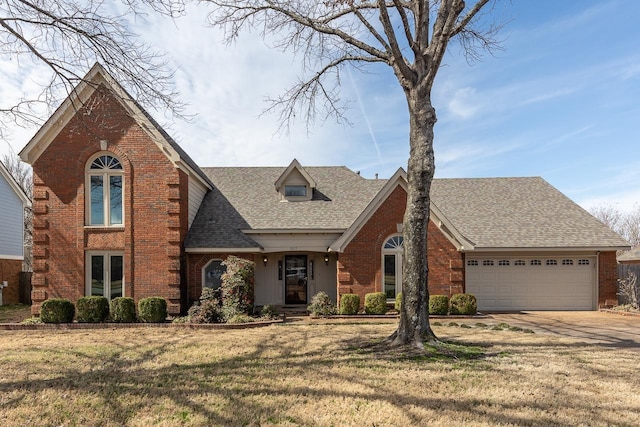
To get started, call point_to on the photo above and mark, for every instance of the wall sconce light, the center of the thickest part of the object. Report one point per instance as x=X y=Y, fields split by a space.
x=326 y=259
x=264 y=260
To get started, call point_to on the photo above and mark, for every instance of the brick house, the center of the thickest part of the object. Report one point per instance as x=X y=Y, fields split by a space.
x=120 y=209
x=13 y=202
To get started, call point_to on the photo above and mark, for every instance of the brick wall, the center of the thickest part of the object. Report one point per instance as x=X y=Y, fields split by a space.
x=607 y=279
x=155 y=209
x=10 y=272
x=360 y=265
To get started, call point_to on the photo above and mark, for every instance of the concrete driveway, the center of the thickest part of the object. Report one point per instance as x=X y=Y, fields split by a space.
x=591 y=327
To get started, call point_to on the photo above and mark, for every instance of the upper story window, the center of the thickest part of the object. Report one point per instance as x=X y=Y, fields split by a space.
x=295 y=191
x=105 y=182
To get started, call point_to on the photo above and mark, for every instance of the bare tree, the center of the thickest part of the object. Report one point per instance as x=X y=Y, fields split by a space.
x=411 y=37
x=625 y=224
x=68 y=37
x=21 y=172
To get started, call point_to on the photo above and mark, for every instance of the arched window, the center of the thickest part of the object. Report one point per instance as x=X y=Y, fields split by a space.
x=392 y=266
x=104 y=190
x=212 y=274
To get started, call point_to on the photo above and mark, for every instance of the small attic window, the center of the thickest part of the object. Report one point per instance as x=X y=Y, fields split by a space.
x=295 y=191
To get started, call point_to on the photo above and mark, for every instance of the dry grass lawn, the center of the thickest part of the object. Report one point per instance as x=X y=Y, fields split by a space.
x=310 y=374
x=14 y=313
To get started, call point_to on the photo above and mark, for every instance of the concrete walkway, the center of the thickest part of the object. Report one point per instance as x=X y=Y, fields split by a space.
x=591 y=327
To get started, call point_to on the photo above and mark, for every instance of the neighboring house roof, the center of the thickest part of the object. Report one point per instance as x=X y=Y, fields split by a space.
x=254 y=204
x=630 y=256
x=82 y=92
x=14 y=185
x=519 y=213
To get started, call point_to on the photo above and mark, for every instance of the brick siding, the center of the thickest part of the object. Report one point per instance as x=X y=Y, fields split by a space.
x=360 y=265
x=607 y=279
x=10 y=272
x=155 y=201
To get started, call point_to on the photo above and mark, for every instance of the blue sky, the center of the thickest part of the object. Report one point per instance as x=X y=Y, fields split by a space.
x=560 y=101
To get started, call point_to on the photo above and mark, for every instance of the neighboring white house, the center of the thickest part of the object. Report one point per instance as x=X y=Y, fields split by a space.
x=13 y=202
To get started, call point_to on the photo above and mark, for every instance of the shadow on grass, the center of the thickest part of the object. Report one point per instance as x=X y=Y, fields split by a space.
x=259 y=380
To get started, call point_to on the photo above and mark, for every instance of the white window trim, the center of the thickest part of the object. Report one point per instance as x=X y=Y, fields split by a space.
x=106 y=194
x=107 y=269
x=398 y=252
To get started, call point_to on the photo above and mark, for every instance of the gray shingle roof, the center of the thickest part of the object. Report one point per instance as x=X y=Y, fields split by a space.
x=518 y=213
x=251 y=201
x=631 y=255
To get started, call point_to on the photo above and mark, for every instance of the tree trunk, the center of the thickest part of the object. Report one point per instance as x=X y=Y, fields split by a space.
x=414 y=328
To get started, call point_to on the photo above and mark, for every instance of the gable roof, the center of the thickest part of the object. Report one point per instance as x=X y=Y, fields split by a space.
x=14 y=185
x=295 y=165
x=519 y=213
x=339 y=197
x=95 y=78
x=631 y=255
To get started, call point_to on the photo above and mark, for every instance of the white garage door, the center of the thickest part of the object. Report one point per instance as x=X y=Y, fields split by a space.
x=532 y=283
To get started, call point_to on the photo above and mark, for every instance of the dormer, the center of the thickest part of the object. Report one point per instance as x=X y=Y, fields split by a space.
x=295 y=184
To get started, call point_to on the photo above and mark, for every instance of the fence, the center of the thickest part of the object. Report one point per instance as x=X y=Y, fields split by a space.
x=25 y=287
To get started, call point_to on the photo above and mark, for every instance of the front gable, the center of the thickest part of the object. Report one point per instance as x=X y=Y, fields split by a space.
x=295 y=184
x=98 y=81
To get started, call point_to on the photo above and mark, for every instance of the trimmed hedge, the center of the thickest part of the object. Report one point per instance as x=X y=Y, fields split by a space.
x=269 y=312
x=375 y=303
x=349 y=304
x=438 y=304
x=463 y=304
x=152 y=310
x=123 y=310
x=94 y=309
x=57 y=310
x=398 y=304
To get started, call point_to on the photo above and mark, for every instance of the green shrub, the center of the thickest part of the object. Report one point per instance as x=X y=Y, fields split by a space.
x=123 y=310
x=241 y=318
x=94 y=309
x=321 y=305
x=398 y=304
x=32 y=321
x=463 y=304
x=57 y=310
x=237 y=286
x=269 y=312
x=152 y=310
x=349 y=304
x=438 y=304
x=375 y=303
x=206 y=311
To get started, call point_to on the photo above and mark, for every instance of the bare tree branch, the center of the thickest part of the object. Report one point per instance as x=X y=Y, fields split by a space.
x=333 y=33
x=69 y=37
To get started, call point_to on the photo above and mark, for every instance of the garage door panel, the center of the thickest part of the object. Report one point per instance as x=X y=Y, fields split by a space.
x=564 y=286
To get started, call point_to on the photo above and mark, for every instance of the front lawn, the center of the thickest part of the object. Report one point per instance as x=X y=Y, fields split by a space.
x=14 y=313
x=310 y=374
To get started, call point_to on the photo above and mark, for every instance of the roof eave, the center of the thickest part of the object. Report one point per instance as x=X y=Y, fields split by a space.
x=294 y=231
x=222 y=250
x=26 y=202
x=549 y=248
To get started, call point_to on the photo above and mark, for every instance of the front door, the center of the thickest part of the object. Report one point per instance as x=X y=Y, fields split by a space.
x=295 y=279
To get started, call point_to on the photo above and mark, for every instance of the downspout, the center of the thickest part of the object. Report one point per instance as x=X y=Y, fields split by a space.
x=597 y=301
